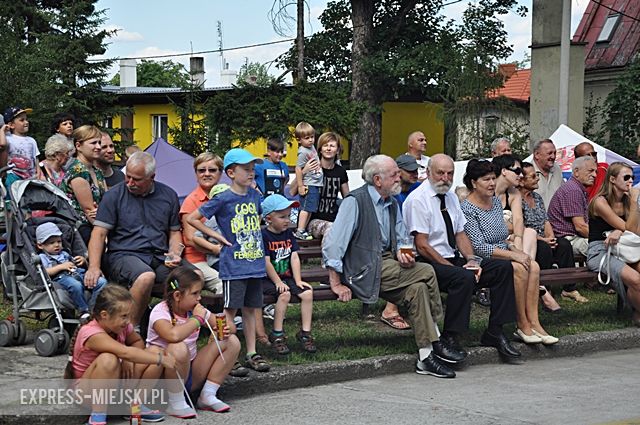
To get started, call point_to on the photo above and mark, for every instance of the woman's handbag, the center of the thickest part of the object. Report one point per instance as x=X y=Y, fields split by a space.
x=627 y=250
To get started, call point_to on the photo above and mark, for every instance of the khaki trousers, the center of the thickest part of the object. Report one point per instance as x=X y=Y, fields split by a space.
x=416 y=289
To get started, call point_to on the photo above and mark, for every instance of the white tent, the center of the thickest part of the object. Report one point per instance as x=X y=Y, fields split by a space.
x=565 y=139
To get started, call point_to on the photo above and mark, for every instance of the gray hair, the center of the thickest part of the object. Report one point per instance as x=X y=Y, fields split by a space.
x=144 y=158
x=497 y=141
x=580 y=162
x=58 y=143
x=539 y=143
x=374 y=166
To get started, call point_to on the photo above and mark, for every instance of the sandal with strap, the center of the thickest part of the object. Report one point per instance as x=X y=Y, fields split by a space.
x=396 y=322
x=238 y=370
x=257 y=363
x=307 y=342
x=279 y=344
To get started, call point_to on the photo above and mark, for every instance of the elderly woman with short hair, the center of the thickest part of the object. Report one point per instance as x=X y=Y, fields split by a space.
x=208 y=168
x=488 y=234
x=57 y=152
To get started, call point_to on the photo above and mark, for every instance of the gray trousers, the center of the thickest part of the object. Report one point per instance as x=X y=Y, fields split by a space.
x=416 y=289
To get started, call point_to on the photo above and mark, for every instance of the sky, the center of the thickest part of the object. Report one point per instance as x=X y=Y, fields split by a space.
x=162 y=27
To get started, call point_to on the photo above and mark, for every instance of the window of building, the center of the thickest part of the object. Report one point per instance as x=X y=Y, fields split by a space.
x=609 y=27
x=159 y=127
x=491 y=125
x=107 y=123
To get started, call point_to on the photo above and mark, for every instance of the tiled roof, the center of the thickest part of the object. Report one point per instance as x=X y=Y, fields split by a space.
x=625 y=39
x=517 y=87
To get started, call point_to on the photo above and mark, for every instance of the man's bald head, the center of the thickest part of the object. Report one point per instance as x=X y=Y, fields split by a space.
x=440 y=172
x=417 y=144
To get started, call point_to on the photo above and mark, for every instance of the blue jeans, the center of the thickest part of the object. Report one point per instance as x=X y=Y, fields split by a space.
x=73 y=283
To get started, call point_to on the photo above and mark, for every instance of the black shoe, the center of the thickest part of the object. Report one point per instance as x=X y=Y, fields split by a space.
x=431 y=366
x=452 y=342
x=483 y=298
x=447 y=353
x=501 y=343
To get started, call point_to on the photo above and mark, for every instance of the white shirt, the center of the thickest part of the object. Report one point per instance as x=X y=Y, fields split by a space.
x=547 y=186
x=421 y=213
x=422 y=169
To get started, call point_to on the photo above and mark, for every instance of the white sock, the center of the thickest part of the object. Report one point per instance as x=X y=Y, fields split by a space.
x=423 y=353
x=437 y=329
x=176 y=400
x=209 y=392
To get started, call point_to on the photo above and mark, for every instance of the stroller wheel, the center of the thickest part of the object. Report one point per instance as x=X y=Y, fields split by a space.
x=20 y=332
x=46 y=342
x=6 y=333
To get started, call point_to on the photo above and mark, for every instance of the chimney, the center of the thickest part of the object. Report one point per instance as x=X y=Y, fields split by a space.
x=507 y=70
x=228 y=77
x=128 y=73
x=196 y=69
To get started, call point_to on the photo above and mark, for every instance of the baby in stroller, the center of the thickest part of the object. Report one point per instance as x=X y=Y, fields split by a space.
x=64 y=269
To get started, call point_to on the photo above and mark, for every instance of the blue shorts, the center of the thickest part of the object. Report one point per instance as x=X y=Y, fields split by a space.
x=242 y=293
x=311 y=200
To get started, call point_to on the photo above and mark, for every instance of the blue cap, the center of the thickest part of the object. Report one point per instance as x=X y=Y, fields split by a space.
x=47 y=230
x=277 y=202
x=13 y=111
x=239 y=156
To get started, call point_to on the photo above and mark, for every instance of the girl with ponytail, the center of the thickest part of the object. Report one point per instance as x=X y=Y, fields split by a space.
x=107 y=347
x=174 y=326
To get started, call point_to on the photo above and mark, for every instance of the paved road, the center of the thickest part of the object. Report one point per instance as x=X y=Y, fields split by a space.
x=597 y=389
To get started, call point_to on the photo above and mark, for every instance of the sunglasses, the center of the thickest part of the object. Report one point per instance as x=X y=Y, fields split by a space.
x=517 y=170
x=627 y=177
x=593 y=154
x=204 y=170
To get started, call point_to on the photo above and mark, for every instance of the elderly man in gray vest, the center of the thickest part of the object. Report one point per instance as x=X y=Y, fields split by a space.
x=365 y=252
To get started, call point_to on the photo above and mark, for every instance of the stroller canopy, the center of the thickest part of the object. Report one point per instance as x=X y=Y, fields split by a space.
x=41 y=195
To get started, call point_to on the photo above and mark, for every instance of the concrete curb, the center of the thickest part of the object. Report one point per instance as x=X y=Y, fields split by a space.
x=331 y=372
x=285 y=378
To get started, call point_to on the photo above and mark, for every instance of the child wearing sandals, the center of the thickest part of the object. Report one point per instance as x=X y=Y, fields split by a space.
x=174 y=326
x=283 y=271
x=107 y=347
x=237 y=211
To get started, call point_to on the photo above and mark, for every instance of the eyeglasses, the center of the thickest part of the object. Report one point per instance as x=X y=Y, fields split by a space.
x=210 y=170
x=517 y=170
x=593 y=154
x=627 y=177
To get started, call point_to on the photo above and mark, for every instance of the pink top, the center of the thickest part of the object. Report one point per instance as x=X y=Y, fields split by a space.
x=161 y=311
x=83 y=357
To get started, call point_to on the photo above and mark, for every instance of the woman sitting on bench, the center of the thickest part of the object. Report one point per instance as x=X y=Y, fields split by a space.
x=615 y=209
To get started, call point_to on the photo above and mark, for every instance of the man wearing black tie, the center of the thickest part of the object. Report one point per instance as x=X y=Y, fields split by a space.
x=433 y=216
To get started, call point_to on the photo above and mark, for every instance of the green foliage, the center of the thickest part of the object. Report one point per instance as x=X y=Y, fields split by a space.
x=415 y=52
x=44 y=61
x=593 y=115
x=158 y=74
x=254 y=74
x=623 y=113
x=192 y=134
x=251 y=112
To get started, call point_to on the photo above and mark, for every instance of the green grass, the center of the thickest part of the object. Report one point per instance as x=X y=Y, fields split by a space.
x=342 y=334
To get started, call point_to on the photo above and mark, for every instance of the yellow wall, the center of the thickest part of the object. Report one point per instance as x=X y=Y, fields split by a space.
x=399 y=119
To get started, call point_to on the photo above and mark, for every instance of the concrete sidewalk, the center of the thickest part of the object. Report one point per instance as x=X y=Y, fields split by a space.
x=20 y=363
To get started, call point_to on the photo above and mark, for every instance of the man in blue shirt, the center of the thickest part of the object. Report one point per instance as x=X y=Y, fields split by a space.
x=408 y=177
x=140 y=219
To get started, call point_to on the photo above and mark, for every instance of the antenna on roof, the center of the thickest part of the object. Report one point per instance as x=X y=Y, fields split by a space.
x=223 y=63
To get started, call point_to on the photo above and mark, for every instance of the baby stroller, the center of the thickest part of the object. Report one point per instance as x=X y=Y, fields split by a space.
x=26 y=282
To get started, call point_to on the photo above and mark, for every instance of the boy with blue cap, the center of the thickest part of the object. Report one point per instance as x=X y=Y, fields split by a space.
x=283 y=271
x=65 y=270
x=241 y=265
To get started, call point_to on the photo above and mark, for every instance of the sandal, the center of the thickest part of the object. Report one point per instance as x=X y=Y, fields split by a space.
x=308 y=344
x=263 y=340
x=238 y=370
x=279 y=344
x=257 y=363
x=396 y=322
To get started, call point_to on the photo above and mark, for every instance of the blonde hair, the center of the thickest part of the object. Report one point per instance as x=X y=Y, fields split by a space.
x=304 y=129
x=606 y=190
x=86 y=132
x=327 y=137
x=206 y=157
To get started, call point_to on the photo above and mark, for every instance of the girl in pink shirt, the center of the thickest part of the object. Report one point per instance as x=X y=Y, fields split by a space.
x=107 y=347
x=174 y=326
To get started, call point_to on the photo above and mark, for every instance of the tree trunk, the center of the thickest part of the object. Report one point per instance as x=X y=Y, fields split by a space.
x=300 y=40
x=366 y=141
